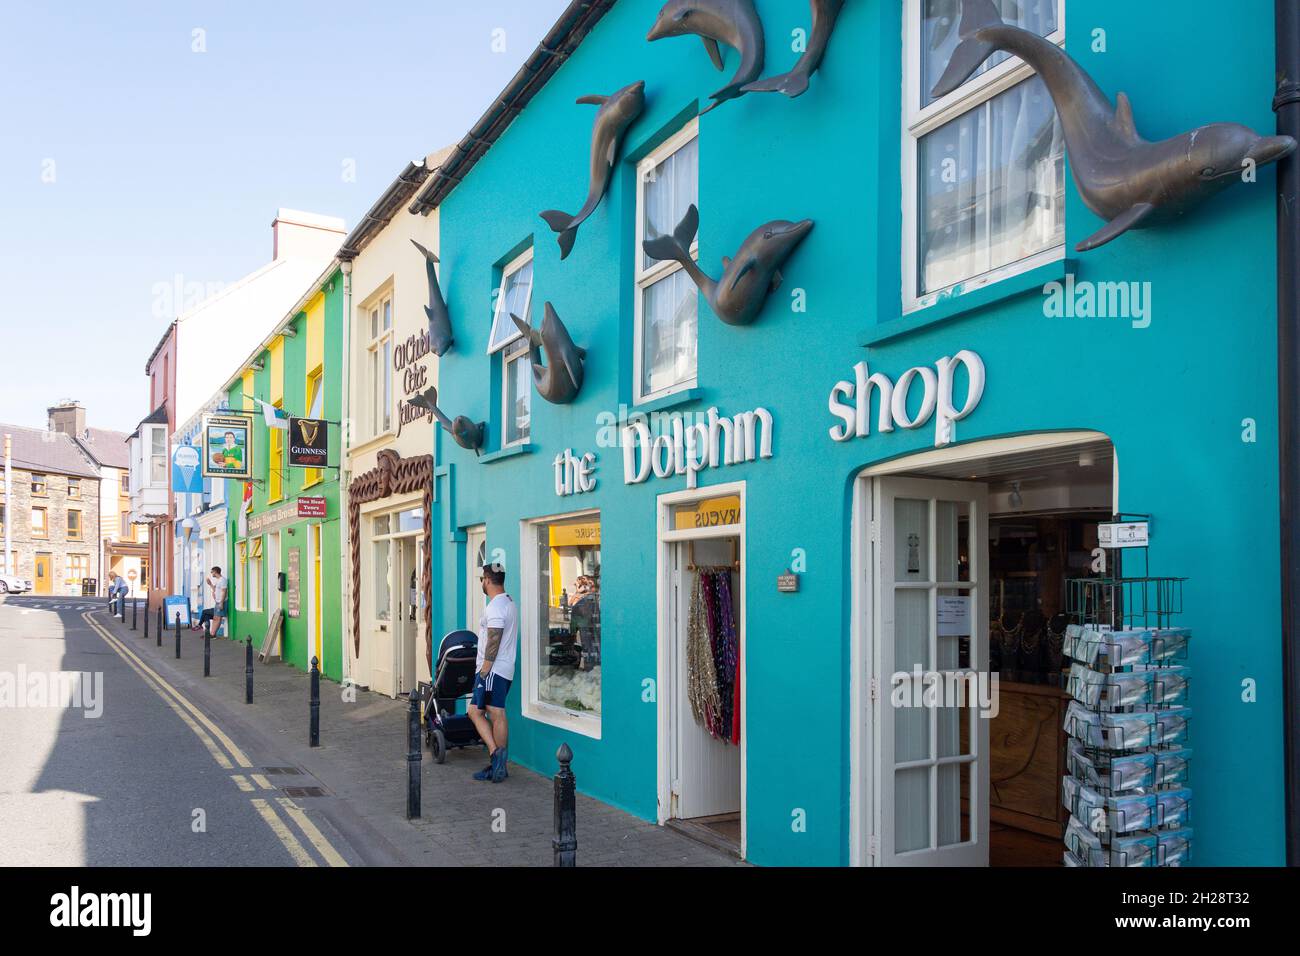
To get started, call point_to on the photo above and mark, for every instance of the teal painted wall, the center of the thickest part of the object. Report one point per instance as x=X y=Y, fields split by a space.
x=297 y=644
x=1171 y=397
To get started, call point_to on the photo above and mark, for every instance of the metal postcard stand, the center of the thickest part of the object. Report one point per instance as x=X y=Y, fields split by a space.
x=1127 y=758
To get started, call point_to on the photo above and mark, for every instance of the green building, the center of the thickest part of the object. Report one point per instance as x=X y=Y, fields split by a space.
x=284 y=526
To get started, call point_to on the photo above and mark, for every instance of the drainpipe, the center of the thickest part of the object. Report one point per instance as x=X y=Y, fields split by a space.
x=1286 y=104
x=345 y=470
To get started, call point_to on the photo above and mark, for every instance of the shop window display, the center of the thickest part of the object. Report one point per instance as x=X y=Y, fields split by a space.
x=568 y=615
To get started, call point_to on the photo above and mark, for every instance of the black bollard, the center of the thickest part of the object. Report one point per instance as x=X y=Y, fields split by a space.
x=161 y=625
x=313 y=736
x=207 y=652
x=121 y=607
x=135 y=613
x=146 y=622
x=566 y=811
x=248 y=670
x=178 y=635
x=414 y=754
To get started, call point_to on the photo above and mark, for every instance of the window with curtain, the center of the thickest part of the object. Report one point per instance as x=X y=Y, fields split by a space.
x=39 y=527
x=667 y=301
x=984 y=166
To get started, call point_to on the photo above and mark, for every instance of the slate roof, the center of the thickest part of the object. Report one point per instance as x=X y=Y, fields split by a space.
x=107 y=447
x=35 y=449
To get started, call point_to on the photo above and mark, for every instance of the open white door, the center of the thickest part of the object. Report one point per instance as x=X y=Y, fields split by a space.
x=930 y=621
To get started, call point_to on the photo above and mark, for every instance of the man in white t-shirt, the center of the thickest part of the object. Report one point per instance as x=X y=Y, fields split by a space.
x=498 y=636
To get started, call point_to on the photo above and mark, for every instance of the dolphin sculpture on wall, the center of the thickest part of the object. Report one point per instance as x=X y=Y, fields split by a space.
x=560 y=379
x=1129 y=181
x=617 y=112
x=795 y=82
x=746 y=281
x=733 y=22
x=440 y=337
x=467 y=434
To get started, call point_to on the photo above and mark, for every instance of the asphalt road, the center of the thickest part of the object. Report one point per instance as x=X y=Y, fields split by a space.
x=150 y=781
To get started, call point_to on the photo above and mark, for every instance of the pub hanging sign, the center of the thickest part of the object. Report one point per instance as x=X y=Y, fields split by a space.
x=308 y=443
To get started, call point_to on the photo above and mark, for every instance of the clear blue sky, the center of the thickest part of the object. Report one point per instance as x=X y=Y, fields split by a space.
x=167 y=161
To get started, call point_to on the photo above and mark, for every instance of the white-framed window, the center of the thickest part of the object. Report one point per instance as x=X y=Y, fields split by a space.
x=984 y=166
x=514 y=296
x=379 y=365
x=516 y=393
x=665 y=339
x=560 y=630
x=158 y=455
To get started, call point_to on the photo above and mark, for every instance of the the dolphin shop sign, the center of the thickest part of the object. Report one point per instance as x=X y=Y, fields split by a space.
x=937 y=400
x=689 y=449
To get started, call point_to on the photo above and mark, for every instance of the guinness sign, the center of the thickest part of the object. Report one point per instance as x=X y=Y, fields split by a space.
x=308 y=443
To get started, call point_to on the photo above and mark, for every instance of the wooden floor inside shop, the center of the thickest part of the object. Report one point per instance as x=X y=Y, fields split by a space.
x=722 y=831
x=1011 y=846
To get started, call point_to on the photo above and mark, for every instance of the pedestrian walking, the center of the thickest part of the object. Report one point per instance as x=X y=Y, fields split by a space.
x=498 y=638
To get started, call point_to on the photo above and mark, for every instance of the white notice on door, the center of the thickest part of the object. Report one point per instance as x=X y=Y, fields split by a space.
x=953 y=614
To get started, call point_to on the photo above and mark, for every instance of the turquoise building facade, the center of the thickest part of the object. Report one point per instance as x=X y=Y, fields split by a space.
x=1167 y=409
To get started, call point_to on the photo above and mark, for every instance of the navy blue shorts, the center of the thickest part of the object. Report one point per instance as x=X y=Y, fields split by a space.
x=490 y=691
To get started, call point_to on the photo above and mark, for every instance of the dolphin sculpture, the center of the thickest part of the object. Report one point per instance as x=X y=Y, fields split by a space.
x=792 y=84
x=1129 y=181
x=738 y=296
x=617 y=112
x=733 y=22
x=560 y=379
x=440 y=337
x=467 y=434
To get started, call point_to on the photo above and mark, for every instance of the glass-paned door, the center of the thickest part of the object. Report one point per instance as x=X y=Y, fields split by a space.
x=930 y=630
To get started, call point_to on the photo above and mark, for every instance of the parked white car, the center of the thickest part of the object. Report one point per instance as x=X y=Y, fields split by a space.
x=10 y=584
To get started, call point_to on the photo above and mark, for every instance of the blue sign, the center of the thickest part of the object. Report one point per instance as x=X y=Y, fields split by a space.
x=187 y=476
x=175 y=605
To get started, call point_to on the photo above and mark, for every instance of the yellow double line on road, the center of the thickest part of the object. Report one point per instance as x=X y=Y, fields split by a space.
x=210 y=734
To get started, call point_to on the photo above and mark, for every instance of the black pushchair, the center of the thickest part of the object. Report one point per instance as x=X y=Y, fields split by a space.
x=453 y=680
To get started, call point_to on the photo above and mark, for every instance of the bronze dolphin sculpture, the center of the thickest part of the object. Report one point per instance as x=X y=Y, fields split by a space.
x=440 y=337
x=1129 y=181
x=733 y=22
x=795 y=82
x=560 y=379
x=467 y=434
x=738 y=296
x=617 y=112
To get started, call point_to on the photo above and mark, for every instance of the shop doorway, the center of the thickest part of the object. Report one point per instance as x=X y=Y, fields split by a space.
x=43 y=584
x=964 y=557
x=476 y=557
x=701 y=666
x=407 y=629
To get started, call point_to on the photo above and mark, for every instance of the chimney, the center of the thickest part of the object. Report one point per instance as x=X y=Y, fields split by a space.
x=306 y=235
x=69 y=416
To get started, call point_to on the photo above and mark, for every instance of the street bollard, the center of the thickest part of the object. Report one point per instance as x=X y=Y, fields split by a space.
x=565 y=843
x=121 y=607
x=178 y=635
x=146 y=622
x=248 y=670
x=135 y=612
x=207 y=652
x=313 y=736
x=161 y=625
x=413 y=756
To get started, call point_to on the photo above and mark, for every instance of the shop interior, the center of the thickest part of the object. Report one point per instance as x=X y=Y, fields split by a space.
x=704 y=699
x=1044 y=508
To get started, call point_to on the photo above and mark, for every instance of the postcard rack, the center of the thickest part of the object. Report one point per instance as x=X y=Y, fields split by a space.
x=1128 y=720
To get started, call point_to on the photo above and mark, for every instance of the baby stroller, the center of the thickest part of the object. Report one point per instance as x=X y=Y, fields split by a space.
x=453 y=680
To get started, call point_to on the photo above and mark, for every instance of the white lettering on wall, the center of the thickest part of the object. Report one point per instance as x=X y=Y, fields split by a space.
x=692 y=448
x=573 y=475
x=850 y=402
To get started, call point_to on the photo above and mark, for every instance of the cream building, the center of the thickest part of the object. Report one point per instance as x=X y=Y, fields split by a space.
x=388 y=466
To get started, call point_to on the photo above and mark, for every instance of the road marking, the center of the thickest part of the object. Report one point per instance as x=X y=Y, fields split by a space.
x=300 y=856
x=202 y=718
x=322 y=845
x=262 y=782
x=242 y=782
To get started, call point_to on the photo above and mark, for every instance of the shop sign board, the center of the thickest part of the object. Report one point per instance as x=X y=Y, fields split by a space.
x=690 y=448
x=787 y=583
x=309 y=443
x=312 y=506
x=187 y=476
x=850 y=402
x=1130 y=534
x=953 y=615
x=582 y=535
x=292 y=598
x=227 y=446
x=270 y=520
x=174 y=606
x=707 y=513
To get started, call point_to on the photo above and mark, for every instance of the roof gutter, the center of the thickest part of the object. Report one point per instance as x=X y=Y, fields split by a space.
x=1286 y=104
x=385 y=207
x=562 y=39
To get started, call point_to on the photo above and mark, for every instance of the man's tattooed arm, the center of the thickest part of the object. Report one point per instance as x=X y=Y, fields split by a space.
x=493 y=642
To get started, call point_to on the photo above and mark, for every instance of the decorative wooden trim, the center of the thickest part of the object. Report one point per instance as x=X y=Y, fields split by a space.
x=393 y=475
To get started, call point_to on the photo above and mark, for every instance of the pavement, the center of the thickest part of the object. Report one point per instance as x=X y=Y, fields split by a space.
x=101 y=787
